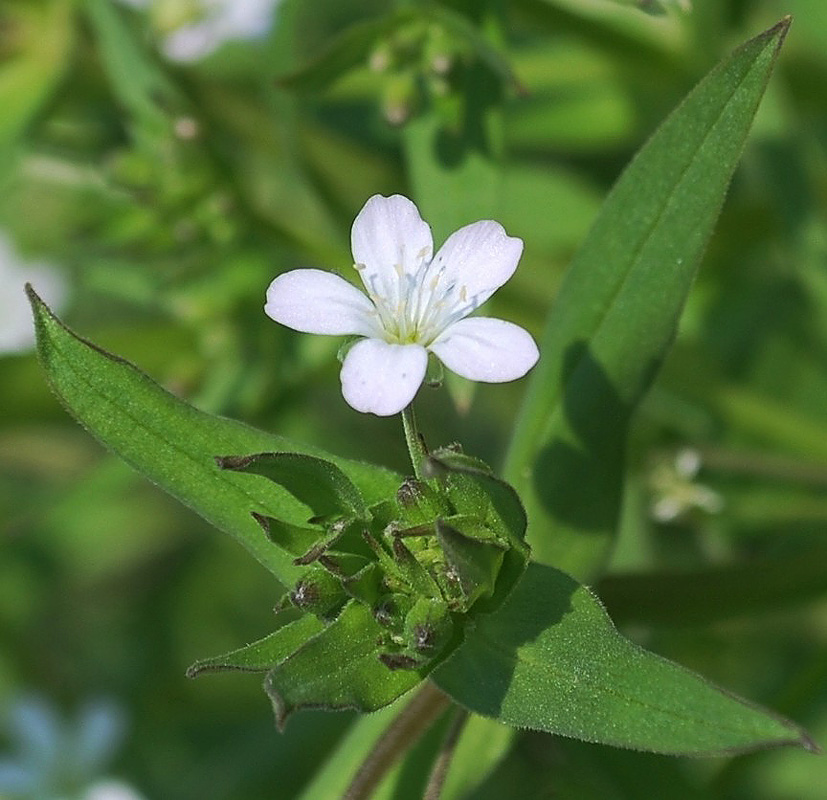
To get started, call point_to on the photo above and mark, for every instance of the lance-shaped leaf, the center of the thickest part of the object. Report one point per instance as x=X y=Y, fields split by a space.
x=617 y=310
x=264 y=654
x=339 y=668
x=314 y=481
x=550 y=659
x=175 y=445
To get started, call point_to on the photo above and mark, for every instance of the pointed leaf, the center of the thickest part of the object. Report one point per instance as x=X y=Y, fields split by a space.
x=617 y=311
x=337 y=669
x=550 y=659
x=175 y=445
x=264 y=654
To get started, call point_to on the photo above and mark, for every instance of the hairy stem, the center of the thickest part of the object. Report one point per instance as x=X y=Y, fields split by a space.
x=439 y=772
x=415 y=442
x=427 y=704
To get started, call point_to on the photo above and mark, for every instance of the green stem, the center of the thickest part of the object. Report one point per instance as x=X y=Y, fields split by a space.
x=415 y=442
x=436 y=781
x=399 y=737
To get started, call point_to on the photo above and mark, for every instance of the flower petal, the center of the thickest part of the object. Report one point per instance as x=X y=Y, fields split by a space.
x=314 y=301
x=382 y=378
x=486 y=349
x=476 y=260
x=389 y=233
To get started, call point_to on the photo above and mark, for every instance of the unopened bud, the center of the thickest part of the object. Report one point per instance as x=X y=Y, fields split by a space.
x=319 y=593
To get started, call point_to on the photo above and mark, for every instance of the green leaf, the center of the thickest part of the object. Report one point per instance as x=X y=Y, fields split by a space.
x=264 y=654
x=550 y=659
x=339 y=668
x=617 y=310
x=175 y=445
x=699 y=597
x=315 y=482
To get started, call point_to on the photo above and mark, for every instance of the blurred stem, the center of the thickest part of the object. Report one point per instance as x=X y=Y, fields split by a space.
x=427 y=704
x=763 y=465
x=414 y=440
x=433 y=791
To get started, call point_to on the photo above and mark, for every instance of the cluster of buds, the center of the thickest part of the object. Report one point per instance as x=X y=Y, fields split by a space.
x=444 y=545
x=419 y=61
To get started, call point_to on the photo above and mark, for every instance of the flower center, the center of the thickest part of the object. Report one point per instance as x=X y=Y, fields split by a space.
x=414 y=307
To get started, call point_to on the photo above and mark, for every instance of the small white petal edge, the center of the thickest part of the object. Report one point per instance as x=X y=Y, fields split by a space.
x=381 y=378
x=315 y=301
x=486 y=349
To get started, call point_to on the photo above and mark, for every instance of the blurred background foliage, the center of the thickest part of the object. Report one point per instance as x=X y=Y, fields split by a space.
x=152 y=187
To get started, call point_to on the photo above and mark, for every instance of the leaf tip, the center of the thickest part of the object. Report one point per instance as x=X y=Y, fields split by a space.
x=233 y=462
x=280 y=708
x=39 y=308
x=780 y=29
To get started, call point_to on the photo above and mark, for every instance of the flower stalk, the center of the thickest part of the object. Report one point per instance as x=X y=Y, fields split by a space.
x=423 y=710
x=413 y=438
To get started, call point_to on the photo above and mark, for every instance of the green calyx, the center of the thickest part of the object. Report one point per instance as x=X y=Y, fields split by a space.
x=419 y=564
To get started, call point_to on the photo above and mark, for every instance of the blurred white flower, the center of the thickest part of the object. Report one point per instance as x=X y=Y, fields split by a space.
x=111 y=790
x=414 y=303
x=192 y=29
x=16 y=327
x=50 y=756
x=675 y=493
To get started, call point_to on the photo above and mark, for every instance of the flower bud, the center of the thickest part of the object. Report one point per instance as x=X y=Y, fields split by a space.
x=319 y=593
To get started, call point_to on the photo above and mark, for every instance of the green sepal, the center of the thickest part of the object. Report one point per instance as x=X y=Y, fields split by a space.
x=293 y=539
x=428 y=629
x=435 y=372
x=390 y=611
x=319 y=592
x=343 y=565
x=415 y=574
x=264 y=654
x=365 y=585
x=504 y=510
x=419 y=503
x=317 y=483
x=473 y=565
x=338 y=668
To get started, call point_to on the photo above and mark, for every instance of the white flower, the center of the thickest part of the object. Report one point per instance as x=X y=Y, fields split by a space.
x=416 y=302
x=16 y=327
x=192 y=29
x=111 y=790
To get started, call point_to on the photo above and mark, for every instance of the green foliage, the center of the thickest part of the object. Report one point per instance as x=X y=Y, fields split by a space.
x=550 y=659
x=691 y=389
x=618 y=309
x=176 y=446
